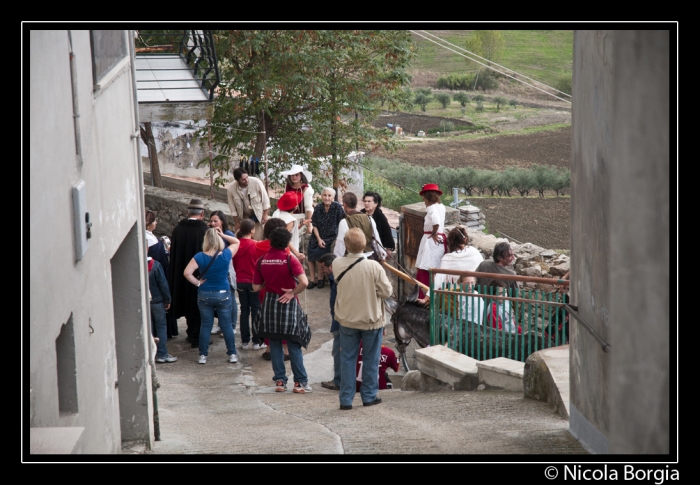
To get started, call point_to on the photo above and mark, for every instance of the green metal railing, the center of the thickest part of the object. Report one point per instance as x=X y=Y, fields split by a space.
x=466 y=319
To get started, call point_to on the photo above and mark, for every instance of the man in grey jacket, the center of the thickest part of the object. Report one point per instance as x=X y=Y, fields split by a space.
x=362 y=286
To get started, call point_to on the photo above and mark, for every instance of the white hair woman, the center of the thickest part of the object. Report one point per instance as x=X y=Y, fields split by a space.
x=327 y=215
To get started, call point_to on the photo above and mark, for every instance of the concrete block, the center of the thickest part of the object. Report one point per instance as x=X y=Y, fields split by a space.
x=501 y=373
x=448 y=366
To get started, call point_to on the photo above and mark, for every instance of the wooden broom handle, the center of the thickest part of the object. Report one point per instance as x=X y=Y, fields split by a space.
x=406 y=277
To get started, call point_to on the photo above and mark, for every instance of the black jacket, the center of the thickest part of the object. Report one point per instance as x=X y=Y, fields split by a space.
x=383 y=228
x=186 y=241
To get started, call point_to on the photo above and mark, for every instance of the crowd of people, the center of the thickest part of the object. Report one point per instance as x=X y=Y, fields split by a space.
x=205 y=272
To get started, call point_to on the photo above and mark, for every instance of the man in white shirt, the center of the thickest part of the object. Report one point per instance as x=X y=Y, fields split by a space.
x=248 y=199
x=355 y=218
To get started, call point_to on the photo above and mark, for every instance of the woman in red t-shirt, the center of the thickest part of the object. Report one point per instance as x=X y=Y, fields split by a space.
x=281 y=316
x=261 y=248
x=244 y=264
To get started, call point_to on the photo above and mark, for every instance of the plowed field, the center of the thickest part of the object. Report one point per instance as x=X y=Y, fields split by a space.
x=544 y=222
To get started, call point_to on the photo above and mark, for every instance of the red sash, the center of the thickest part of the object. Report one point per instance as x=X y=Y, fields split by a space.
x=444 y=238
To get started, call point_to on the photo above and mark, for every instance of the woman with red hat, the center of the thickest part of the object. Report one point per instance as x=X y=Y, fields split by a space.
x=433 y=245
x=285 y=205
x=298 y=180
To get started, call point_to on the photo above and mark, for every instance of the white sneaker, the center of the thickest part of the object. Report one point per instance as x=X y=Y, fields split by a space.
x=245 y=346
x=202 y=359
x=259 y=346
x=215 y=329
x=233 y=358
x=168 y=358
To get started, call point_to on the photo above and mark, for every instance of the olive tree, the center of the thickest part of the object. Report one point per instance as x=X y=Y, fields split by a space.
x=443 y=99
x=462 y=98
x=499 y=100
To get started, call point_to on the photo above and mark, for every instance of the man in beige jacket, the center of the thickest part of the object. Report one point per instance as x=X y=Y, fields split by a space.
x=362 y=286
x=248 y=199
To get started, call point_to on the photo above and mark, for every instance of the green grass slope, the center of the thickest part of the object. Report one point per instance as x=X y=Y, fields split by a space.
x=543 y=55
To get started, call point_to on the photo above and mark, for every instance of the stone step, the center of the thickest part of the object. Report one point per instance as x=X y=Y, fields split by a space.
x=452 y=368
x=501 y=373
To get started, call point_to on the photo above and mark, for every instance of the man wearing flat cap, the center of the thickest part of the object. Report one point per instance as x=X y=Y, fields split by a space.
x=186 y=241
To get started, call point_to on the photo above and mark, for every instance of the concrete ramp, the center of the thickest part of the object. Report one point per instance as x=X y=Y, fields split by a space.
x=546 y=378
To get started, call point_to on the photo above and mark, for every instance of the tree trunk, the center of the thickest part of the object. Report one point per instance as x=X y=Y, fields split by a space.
x=334 y=160
x=260 y=139
x=147 y=137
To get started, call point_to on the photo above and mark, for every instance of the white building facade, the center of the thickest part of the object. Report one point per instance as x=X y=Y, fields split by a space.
x=90 y=385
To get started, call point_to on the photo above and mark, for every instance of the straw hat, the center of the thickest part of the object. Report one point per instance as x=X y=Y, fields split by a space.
x=297 y=169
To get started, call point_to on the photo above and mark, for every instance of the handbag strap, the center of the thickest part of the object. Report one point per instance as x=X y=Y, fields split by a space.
x=201 y=275
x=337 y=280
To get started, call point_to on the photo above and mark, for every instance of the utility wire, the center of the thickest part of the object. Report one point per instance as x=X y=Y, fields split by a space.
x=495 y=64
x=489 y=67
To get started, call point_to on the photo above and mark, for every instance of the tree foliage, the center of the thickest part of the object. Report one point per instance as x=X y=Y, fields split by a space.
x=468 y=179
x=544 y=178
x=524 y=180
x=444 y=99
x=455 y=81
x=499 y=100
x=488 y=44
x=306 y=95
x=422 y=100
x=461 y=98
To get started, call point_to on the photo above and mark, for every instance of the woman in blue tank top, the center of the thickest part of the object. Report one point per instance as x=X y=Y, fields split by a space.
x=214 y=293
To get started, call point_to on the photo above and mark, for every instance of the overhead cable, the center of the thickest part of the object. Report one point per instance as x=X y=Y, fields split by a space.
x=489 y=67
x=495 y=64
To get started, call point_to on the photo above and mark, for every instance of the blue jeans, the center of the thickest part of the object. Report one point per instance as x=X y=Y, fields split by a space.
x=224 y=304
x=336 y=357
x=161 y=326
x=296 y=359
x=371 y=351
x=250 y=305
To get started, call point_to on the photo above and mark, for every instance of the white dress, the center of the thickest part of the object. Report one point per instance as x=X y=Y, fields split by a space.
x=287 y=218
x=429 y=253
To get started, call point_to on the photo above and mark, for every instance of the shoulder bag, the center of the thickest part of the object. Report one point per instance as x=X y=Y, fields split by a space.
x=201 y=274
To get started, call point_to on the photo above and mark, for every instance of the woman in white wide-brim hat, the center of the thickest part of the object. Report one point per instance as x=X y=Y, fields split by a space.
x=298 y=180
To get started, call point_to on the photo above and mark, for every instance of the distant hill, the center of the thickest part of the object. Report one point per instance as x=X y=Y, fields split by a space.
x=543 y=55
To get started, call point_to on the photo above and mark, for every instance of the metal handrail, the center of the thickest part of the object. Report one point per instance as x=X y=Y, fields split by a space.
x=573 y=311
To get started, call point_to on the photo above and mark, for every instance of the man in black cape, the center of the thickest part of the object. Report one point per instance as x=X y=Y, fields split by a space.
x=186 y=241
